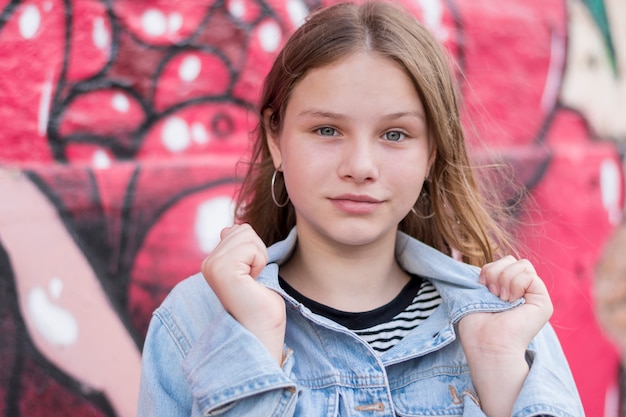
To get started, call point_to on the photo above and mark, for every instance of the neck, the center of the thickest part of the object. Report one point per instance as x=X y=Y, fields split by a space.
x=346 y=278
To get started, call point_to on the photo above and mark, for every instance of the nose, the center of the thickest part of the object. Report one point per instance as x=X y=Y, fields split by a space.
x=359 y=159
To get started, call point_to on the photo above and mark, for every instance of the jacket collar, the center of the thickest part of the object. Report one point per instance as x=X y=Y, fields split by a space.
x=456 y=282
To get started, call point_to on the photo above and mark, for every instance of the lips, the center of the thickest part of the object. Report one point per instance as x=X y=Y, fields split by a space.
x=356 y=203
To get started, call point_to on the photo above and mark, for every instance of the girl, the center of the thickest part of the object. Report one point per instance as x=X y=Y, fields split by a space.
x=360 y=185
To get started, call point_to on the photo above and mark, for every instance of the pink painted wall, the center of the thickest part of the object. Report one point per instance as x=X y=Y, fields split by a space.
x=122 y=121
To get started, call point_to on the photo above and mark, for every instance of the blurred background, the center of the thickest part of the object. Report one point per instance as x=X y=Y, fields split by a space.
x=122 y=121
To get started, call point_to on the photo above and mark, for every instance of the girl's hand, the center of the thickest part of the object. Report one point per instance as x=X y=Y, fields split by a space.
x=231 y=270
x=495 y=343
x=512 y=330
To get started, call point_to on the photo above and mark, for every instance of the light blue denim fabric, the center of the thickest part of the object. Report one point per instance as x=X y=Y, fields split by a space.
x=199 y=361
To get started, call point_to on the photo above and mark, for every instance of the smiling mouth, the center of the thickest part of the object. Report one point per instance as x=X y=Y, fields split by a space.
x=356 y=204
x=358 y=198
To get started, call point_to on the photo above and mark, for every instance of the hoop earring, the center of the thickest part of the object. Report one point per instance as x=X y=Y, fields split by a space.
x=423 y=195
x=430 y=216
x=274 y=193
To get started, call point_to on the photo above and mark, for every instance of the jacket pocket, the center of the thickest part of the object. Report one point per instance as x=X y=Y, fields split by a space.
x=442 y=393
x=322 y=402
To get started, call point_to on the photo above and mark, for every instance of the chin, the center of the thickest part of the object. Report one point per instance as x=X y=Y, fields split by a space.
x=358 y=236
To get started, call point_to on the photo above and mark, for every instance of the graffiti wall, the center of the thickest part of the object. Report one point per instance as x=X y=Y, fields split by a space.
x=121 y=124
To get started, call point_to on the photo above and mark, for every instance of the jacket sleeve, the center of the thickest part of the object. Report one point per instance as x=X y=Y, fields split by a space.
x=222 y=370
x=231 y=368
x=162 y=391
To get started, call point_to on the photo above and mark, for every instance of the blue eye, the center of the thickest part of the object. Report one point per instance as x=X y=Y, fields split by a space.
x=394 y=136
x=326 y=131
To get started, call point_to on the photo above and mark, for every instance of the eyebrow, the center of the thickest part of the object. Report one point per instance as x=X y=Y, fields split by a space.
x=338 y=116
x=320 y=114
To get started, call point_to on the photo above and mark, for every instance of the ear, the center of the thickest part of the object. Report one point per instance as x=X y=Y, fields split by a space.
x=272 y=138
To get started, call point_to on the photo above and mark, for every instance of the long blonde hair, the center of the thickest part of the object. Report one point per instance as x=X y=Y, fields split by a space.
x=452 y=213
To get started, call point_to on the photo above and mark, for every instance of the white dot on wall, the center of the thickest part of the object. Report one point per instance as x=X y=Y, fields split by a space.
x=100 y=160
x=189 y=68
x=433 y=12
x=433 y=17
x=175 y=134
x=297 y=11
x=153 y=22
x=54 y=323
x=100 y=34
x=199 y=133
x=270 y=36
x=120 y=103
x=47 y=6
x=174 y=22
x=610 y=185
x=237 y=8
x=212 y=216
x=29 y=21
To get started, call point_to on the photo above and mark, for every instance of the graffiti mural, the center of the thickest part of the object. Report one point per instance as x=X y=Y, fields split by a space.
x=597 y=57
x=124 y=123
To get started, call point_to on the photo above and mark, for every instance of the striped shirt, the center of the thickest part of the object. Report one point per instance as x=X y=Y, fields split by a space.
x=385 y=326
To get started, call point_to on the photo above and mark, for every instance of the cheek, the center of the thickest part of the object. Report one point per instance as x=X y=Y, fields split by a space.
x=306 y=162
x=300 y=179
x=411 y=190
x=408 y=178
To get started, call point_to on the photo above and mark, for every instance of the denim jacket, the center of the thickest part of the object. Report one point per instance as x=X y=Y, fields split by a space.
x=199 y=361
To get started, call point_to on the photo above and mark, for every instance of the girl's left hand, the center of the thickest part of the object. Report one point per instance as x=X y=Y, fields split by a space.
x=509 y=331
x=495 y=344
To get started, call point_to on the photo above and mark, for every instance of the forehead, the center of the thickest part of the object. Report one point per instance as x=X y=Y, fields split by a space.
x=361 y=81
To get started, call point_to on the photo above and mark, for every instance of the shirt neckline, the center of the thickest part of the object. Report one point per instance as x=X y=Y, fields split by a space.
x=360 y=320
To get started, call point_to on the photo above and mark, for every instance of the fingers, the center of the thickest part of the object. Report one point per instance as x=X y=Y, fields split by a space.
x=510 y=279
x=241 y=235
x=240 y=253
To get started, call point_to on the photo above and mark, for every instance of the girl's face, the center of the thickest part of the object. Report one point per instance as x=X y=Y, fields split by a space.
x=354 y=150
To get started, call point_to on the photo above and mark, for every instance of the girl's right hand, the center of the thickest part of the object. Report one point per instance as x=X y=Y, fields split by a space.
x=231 y=270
